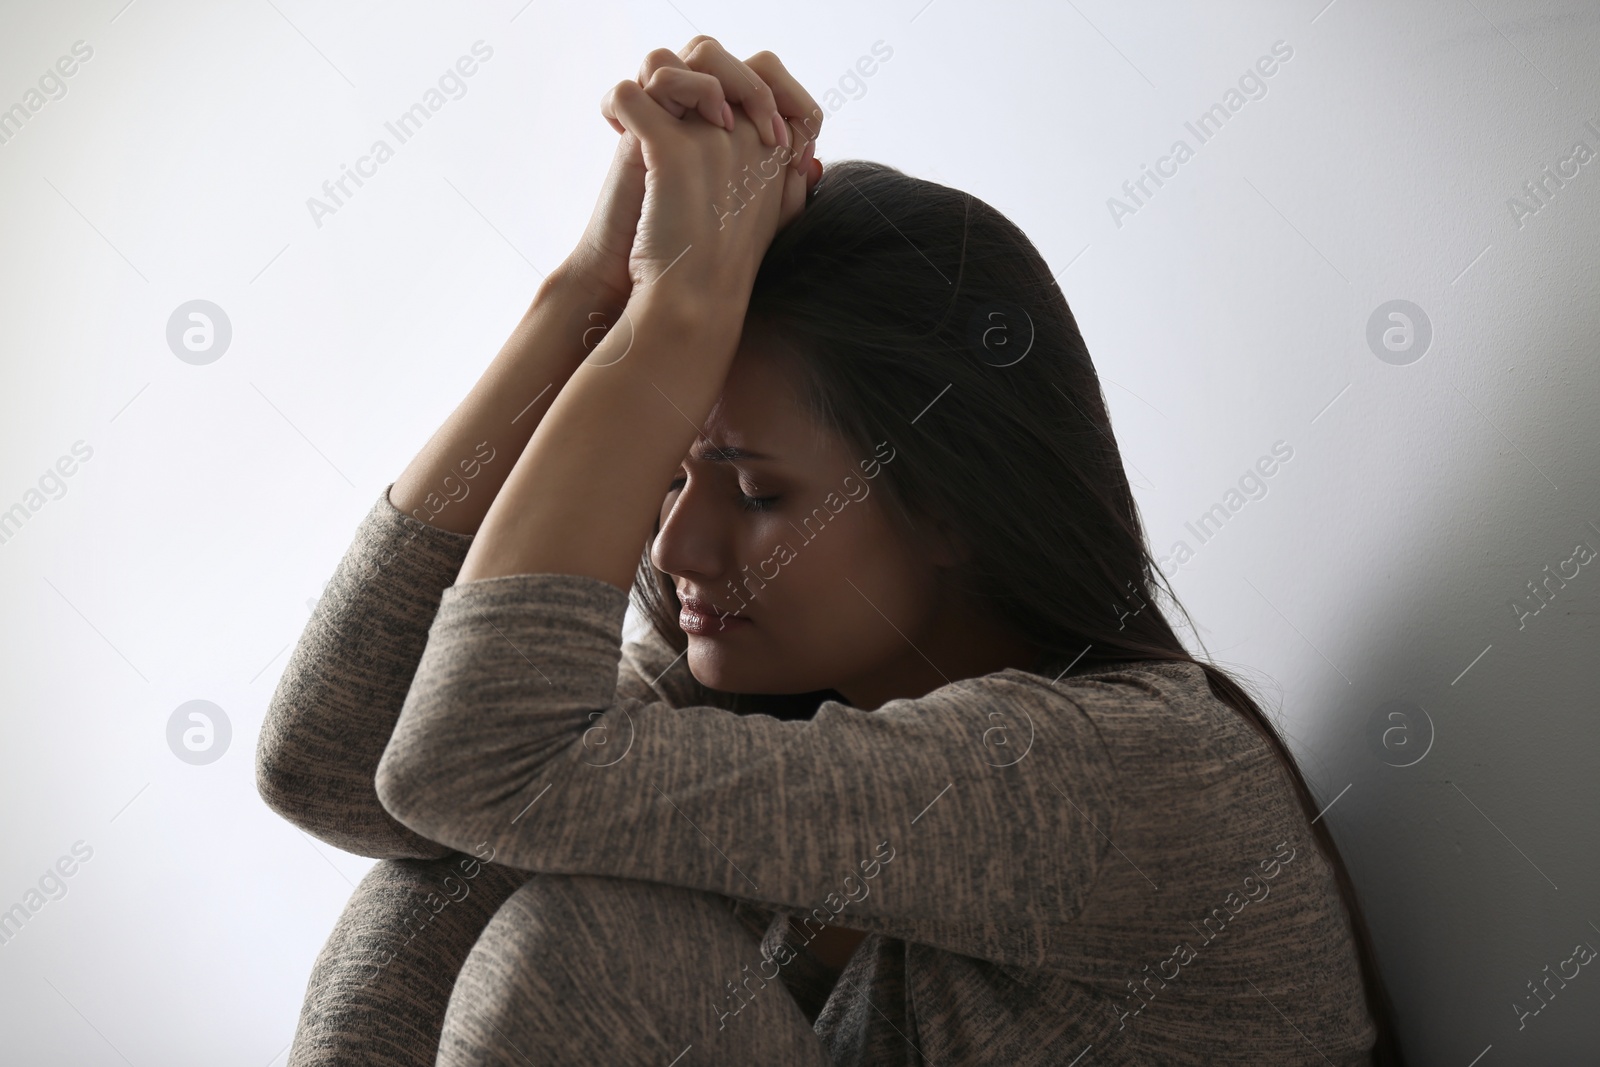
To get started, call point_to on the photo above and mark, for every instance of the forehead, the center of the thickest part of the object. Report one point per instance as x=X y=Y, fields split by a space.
x=762 y=409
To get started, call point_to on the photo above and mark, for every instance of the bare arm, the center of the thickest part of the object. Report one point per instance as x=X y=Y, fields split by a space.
x=566 y=319
x=340 y=695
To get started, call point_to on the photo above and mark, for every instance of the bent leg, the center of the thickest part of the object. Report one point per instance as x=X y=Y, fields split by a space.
x=378 y=990
x=578 y=969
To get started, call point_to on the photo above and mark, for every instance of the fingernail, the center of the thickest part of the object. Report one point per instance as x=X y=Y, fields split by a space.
x=805 y=157
x=727 y=116
x=780 y=130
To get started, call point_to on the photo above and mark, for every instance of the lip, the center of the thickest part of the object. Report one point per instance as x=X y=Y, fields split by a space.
x=702 y=619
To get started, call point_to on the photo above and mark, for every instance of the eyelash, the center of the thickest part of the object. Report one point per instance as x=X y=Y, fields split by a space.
x=748 y=503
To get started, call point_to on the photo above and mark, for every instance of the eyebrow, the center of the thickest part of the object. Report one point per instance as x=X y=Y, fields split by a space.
x=714 y=454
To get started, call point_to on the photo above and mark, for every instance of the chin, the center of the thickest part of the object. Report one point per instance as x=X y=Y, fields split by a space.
x=711 y=667
x=717 y=668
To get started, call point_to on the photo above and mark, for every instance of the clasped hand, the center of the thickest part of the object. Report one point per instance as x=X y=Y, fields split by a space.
x=717 y=183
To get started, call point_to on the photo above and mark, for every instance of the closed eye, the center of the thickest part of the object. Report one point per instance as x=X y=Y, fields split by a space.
x=747 y=502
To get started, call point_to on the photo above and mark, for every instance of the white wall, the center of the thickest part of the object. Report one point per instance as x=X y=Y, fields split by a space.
x=1229 y=312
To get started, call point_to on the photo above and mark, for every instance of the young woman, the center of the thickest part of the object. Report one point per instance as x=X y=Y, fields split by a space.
x=909 y=767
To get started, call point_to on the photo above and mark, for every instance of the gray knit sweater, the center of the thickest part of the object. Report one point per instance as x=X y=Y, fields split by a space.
x=1113 y=862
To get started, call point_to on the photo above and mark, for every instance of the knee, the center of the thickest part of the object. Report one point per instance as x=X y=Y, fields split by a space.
x=601 y=929
x=385 y=973
x=594 y=969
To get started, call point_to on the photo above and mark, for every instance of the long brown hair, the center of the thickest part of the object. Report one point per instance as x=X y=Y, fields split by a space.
x=923 y=316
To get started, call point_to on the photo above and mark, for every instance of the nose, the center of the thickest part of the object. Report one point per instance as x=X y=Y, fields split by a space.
x=692 y=540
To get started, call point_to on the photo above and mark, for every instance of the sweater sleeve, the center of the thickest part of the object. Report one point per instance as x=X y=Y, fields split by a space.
x=916 y=821
x=337 y=700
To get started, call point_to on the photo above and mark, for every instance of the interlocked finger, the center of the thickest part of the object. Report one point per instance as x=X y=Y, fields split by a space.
x=742 y=86
x=681 y=91
x=793 y=102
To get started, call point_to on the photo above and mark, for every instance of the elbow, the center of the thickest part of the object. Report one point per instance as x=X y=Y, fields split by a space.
x=418 y=800
x=457 y=770
x=297 y=801
x=287 y=770
x=447 y=790
x=323 y=809
x=288 y=795
x=398 y=790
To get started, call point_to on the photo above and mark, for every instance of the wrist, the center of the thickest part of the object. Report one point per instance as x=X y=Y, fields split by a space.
x=570 y=281
x=708 y=312
x=568 y=314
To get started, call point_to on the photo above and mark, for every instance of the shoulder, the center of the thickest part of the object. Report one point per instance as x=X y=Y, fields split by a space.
x=1134 y=687
x=1076 y=721
x=1144 y=680
x=1130 y=692
x=1136 y=710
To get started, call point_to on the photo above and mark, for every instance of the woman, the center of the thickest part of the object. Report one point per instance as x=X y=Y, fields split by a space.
x=909 y=767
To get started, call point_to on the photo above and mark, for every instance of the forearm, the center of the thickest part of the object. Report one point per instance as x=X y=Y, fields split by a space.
x=585 y=492
x=336 y=703
x=456 y=476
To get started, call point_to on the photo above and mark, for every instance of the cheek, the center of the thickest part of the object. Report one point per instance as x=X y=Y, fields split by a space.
x=833 y=590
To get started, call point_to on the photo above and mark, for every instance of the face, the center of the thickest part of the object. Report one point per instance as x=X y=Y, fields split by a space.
x=809 y=583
